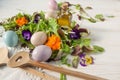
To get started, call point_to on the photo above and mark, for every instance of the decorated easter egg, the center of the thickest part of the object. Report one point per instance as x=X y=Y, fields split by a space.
x=53 y=5
x=38 y=38
x=41 y=53
x=10 y=38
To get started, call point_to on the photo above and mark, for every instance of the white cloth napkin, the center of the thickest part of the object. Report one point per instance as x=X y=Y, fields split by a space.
x=16 y=74
x=7 y=73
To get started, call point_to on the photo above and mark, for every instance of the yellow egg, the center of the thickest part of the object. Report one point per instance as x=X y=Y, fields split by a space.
x=38 y=38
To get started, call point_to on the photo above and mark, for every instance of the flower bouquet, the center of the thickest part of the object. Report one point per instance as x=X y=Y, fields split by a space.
x=53 y=35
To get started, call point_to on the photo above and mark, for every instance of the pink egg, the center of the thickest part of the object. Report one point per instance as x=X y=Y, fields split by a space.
x=41 y=53
x=53 y=5
x=38 y=38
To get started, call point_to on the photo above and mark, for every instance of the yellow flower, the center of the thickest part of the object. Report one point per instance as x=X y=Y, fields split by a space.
x=89 y=60
x=86 y=59
x=21 y=21
x=54 y=42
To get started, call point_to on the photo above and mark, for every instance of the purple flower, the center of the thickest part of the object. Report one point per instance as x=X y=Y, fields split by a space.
x=85 y=60
x=26 y=34
x=82 y=63
x=75 y=34
x=36 y=17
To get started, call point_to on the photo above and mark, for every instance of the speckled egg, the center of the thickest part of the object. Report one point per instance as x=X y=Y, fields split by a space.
x=41 y=53
x=10 y=38
x=38 y=38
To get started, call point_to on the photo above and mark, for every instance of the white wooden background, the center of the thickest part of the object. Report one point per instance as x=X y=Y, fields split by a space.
x=106 y=34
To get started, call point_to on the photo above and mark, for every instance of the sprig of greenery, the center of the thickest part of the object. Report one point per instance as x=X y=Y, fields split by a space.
x=81 y=42
x=66 y=48
x=99 y=17
x=53 y=26
x=97 y=49
x=63 y=76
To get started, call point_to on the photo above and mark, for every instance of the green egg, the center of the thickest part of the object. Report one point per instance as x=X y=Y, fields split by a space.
x=10 y=38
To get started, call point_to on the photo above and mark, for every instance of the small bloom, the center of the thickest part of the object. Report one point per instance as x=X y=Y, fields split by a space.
x=26 y=34
x=75 y=34
x=54 y=42
x=36 y=17
x=89 y=60
x=86 y=60
x=21 y=21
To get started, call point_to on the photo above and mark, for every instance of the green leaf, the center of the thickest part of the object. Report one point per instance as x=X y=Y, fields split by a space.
x=85 y=42
x=60 y=4
x=70 y=60
x=32 y=27
x=110 y=16
x=28 y=16
x=88 y=8
x=25 y=27
x=75 y=61
x=66 y=48
x=73 y=23
x=75 y=42
x=54 y=54
x=64 y=60
x=98 y=49
x=81 y=42
x=19 y=15
x=53 y=26
x=77 y=6
x=100 y=17
x=92 y=20
x=10 y=25
x=42 y=26
x=42 y=15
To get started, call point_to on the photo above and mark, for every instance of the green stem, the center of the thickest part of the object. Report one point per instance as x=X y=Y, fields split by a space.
x=63 y=76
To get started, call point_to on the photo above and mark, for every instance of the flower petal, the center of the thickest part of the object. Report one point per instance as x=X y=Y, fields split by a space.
x=26 y=34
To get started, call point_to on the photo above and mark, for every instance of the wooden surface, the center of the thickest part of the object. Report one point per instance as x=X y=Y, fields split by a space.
x=106 y=34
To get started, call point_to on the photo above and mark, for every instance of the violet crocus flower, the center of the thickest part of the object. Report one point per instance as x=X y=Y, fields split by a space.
x=86 y=60
x=26 y=35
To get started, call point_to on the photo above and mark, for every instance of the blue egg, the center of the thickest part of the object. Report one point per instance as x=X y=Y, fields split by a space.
x=10 y=38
